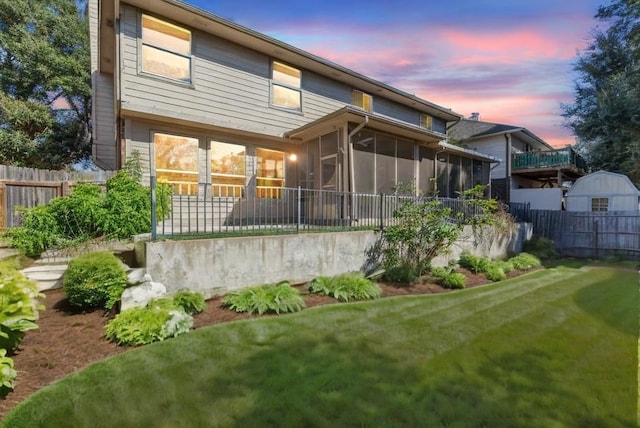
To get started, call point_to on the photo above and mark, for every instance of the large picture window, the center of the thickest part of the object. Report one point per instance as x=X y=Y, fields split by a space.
x=228 y=169
x=270 y=173
x=285 y=91
x=166 y=49
x=177 y=162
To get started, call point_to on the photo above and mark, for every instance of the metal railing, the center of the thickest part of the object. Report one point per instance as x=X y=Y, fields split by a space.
x=547 y=159
x=216 y=209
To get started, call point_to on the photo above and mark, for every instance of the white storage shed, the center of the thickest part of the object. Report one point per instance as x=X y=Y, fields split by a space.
x=603 y=191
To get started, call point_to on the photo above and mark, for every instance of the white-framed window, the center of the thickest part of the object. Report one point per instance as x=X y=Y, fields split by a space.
x=176 y=159
x=426 y=121
x=166 y=49
x=269 y=173
x=228 y=169
x=286 y=86
x=362 y=100
x=599 y=204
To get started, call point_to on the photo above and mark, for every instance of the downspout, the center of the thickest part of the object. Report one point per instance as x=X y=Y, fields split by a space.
x=352 y=175
x=507 y=136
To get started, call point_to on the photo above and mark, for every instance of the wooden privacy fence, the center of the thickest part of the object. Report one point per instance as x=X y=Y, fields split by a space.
x=589 y=234
x=28 y=187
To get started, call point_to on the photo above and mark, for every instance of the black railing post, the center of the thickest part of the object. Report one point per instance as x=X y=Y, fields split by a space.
x=154 y=219
x=381 y=211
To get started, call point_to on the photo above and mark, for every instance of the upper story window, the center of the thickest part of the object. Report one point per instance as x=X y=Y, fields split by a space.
x=285 y=82
x=362 y=100
x=166 y=49
x=426 y=121
x=599 y=204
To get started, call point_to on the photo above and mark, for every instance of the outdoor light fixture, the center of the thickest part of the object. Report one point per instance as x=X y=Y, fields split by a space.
x=293 y=157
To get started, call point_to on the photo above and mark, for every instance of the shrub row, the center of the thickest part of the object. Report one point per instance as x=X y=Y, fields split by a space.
x=497 y=270
x=120 y=212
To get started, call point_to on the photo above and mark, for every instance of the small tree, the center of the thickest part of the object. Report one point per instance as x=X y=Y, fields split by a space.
x=424 y=228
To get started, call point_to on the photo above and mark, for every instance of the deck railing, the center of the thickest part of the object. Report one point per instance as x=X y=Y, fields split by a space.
x=266 y=210
x=566 y=157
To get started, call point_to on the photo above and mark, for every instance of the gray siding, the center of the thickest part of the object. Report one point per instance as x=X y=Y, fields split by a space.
x=103 y=108
x=493 y=146
x=231 y=88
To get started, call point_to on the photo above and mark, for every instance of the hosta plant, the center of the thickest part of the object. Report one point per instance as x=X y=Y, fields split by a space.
x=346 y=287
x=7 y=374
x=18 y=308
x=267 y=298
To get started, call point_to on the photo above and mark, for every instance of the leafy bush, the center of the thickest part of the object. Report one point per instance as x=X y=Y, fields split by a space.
x=267 y=298
x=94 y=280
x=345 y=287
x=18 y=308
x=454 y=280
x=524 y=261
x=7 y=374
x=404 y=273
x=159 y=320
x=495 y=273
x=38 y=232
x=505 y=265
x=540 y=247
x=78 y=214
x=127 y=207
x=448 y=277
x=474 y=263
x=190 y=301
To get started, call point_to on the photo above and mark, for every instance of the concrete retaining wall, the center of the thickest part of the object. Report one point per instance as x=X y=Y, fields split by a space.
x=217 y=266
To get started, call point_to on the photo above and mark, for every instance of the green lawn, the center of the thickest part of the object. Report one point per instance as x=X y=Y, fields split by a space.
x=555 y=348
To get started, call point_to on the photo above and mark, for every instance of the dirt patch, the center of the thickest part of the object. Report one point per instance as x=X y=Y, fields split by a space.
x=67 y=340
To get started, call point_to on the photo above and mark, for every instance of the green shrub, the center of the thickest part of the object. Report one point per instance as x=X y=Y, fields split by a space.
x=7 y=374
x=190 y=301
x=18 y=308
x=127 y=207
x=159 y=320
x=540 y=247
x=505 y=265
x=454 y=280
x=38 y=232
x=403 y=273
x=346 y=287
x=94 y=280
x=79 y=213
x=448 y=277
x=267 y=298
x=524 y=261
x=495 y=273
x=474 y=263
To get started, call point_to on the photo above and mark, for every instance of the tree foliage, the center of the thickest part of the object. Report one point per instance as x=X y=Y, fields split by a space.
x=606 y=115
x=45 y=83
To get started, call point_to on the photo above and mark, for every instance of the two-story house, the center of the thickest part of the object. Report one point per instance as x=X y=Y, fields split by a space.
x=211 y=104
x=528 y=162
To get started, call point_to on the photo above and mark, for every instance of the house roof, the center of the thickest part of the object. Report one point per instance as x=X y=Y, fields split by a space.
x=384 y=123
x=202 y=20
x=468 y=130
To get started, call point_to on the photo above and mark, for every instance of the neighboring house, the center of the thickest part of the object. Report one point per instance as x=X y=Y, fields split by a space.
x=211 y=104
x=603 y=191
x=528 y=162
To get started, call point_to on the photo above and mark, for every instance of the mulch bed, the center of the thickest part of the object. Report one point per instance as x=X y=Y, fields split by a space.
x=67 y=341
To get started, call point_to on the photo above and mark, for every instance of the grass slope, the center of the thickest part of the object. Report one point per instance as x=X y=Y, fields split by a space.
x=552 y=348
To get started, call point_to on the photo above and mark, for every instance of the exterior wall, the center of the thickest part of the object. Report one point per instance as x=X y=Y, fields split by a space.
x=625 y=203
x=231 y=88
x=218 y=266
x=493 y=146
x=539 y=199
x=103 y=109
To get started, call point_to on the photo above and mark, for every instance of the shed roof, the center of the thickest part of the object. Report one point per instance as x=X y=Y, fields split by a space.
x=603 y=183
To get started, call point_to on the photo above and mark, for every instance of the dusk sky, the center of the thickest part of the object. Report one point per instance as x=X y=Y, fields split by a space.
x=510 y=61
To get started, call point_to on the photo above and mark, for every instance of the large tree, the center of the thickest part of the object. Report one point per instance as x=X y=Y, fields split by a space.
x=45 y=83
x=606 y=114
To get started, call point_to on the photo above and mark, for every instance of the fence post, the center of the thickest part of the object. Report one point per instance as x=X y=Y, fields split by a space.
x=299 y=210
x=595 y=226
x=154 y=219
x=381 y=211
